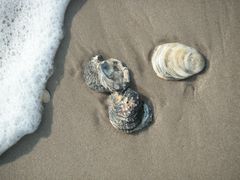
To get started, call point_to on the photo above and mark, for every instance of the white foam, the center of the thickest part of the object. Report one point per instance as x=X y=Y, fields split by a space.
x=30 y=33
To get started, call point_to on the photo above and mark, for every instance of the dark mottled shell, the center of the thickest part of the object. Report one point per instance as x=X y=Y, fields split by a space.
x=90 y=74
x=113 y=75
x=127 y=112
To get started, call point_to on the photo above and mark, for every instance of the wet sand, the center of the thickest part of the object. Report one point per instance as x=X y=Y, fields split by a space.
x=196 y=130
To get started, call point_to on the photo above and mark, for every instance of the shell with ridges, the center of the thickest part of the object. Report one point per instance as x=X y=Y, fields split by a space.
x=175 y=61
x=127 y=112
x=90 y=74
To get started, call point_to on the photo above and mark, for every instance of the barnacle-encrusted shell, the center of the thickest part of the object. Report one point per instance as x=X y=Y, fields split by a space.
x=90 y=74
x=106 y=75
x=113 y=75
x=175 y=61
x=127 y=112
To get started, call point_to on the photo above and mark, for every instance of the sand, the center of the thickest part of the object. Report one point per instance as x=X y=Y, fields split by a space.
x=196 y=130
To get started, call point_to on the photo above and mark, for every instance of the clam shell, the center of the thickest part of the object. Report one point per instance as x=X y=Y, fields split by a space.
x=127 y=112
x=106 y=75
x=90 y=74
x=175 y=61
x=113 y=75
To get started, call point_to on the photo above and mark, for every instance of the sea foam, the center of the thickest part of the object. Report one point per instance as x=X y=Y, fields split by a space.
x=30 y=33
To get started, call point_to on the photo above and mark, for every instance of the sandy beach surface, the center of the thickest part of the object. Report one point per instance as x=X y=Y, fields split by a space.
x=196 y=129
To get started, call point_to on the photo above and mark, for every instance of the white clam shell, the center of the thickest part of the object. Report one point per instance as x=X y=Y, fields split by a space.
x=175 y=61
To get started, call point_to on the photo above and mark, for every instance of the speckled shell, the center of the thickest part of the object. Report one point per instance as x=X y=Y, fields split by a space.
x=106 y=75
x=127 y=112
x=90 y=74
x=175 y=61
x=113 y=75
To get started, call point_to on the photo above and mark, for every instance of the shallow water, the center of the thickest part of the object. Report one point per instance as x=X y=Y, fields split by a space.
x=30 y=33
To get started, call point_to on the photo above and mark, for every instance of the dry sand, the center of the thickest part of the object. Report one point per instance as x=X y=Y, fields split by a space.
x=196 y=133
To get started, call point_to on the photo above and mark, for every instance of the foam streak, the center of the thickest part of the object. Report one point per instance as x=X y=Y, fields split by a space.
x=30 y=33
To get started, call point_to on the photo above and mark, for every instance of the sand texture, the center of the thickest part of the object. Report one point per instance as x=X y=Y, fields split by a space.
x=196 y=130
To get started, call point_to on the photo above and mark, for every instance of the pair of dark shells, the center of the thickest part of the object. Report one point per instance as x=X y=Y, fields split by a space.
x=127 y=111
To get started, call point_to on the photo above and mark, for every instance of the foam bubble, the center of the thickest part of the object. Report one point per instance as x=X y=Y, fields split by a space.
x=30 y=33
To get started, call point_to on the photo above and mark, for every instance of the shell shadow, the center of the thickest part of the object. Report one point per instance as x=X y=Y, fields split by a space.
x=27 y=143
x=149 y=103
